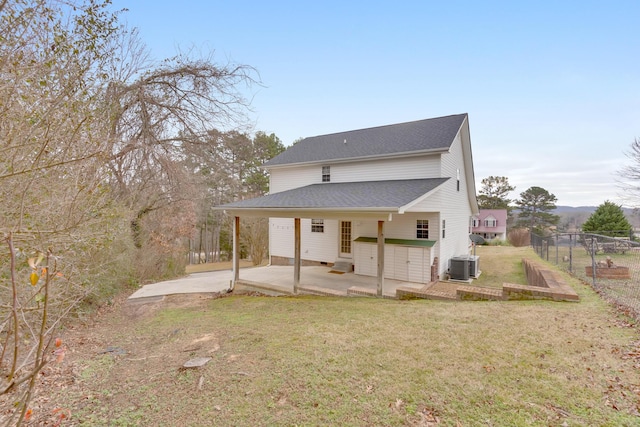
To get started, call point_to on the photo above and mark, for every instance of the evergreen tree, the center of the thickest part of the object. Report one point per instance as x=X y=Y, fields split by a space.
x=609 y=220
x=494 y=192
x=535 y=206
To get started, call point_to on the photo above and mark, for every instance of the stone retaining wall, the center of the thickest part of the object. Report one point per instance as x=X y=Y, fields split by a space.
x=542 y=284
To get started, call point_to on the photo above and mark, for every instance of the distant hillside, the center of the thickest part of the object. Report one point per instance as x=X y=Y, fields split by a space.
x=585 y=209
x=574 y=217
x=574 y=209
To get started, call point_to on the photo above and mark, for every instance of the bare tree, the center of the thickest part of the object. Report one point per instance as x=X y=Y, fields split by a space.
x=157 y=111
x=91 y=133
x=630 y=174
x=51 y=178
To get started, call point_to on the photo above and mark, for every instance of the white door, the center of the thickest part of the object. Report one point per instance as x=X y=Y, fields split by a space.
x=389 y=266
x=400 y=263
x=366 y=262
x=415 y=264
x=345 y=240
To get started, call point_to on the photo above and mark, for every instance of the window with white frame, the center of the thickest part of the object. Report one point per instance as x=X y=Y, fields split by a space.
x=317 y=225
x=422 y=229
x=326 y=174
x=490 y=222
x=476 y=222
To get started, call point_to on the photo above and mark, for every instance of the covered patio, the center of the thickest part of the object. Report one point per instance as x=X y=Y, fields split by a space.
x=378 y=201
x=316 y=280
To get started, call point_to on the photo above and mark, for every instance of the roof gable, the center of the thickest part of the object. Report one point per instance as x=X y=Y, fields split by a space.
x=498 y=214
x=404 y=138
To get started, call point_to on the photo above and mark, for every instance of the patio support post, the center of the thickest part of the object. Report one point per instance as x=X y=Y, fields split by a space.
x=296 y=261
x=380 y=257
x=236 y=249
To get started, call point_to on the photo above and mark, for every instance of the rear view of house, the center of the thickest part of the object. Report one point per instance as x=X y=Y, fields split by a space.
x=393 y=201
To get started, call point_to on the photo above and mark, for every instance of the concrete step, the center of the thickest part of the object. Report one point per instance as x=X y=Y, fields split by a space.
x=344 y=266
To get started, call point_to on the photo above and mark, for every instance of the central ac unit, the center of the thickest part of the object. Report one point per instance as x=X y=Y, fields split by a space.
x=459 y=268
x=474 y=265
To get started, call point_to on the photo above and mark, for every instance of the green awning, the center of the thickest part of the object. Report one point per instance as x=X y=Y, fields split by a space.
x=403 y=242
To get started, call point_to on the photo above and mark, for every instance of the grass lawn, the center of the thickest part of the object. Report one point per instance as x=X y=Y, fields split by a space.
x=356 y=362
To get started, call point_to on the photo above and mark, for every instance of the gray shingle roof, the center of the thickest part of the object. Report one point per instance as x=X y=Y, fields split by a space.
x=344 y=195
x=422 y=135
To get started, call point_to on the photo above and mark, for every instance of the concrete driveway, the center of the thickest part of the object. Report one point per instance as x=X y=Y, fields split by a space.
x=213 y=281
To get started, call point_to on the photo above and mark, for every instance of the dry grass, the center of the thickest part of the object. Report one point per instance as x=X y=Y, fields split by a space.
x=361 y=361
x=501 y=264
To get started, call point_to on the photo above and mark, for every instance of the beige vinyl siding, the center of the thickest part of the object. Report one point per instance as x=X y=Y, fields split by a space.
x=313 y=246
x=319 y=246
x=289 y=178
x=281 y=237
x=382 y=170
x=454 y=206
x=376 y=170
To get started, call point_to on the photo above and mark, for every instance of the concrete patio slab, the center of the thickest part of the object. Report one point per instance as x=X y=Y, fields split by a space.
x=214 y=281
x=277 y=279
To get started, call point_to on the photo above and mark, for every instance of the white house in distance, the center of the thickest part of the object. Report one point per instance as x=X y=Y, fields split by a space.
x=393 y=201
x=491 y=224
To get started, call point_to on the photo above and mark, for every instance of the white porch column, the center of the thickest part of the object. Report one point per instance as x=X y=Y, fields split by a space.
x=296 y=260
x=380 y=257
x=236 y=249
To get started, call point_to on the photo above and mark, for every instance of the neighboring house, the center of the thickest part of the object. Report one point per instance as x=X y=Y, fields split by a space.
x=392 y=201
x=491 y=224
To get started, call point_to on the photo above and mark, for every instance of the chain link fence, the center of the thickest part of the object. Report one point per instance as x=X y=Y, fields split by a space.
x=610 y=264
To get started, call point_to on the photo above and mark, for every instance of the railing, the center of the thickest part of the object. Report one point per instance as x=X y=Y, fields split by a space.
x=610 y=264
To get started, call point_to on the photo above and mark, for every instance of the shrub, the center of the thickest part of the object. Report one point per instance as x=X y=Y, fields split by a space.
x=497 y=242
x=519 y=237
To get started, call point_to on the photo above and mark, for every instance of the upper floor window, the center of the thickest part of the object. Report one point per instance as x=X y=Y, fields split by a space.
x=490 y=222
x=326 y=174
x=422 y=229
x=476 y=222
x=317 y=225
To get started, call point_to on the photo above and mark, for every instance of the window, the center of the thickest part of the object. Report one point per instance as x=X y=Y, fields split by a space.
x=443 y=227
x=422 y=229
x=490 y=222
x=458 y=179
x=317 y=225
x=476 y=222
x=326 y=174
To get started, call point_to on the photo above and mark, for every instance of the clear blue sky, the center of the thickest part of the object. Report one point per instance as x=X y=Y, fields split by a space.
x=552 y=88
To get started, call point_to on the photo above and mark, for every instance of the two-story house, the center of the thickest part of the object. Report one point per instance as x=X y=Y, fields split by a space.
x=491 y=224
x=393 y=201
